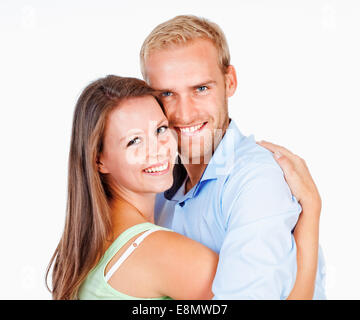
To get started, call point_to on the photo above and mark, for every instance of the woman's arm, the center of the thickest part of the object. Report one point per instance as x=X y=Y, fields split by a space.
x=306 y=232
x=185 y=268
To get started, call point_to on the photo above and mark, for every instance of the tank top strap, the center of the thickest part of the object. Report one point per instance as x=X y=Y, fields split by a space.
x=124 y=238
x=127 y=253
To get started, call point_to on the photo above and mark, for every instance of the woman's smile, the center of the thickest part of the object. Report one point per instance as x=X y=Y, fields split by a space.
x=158 y=169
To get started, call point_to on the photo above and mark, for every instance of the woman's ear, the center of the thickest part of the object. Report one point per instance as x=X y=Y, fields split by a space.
x=101 y=166
x=230 y=81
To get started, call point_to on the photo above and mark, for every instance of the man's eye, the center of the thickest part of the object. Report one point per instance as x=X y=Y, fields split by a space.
x=134 y=141
x=166 y=94
x=161 y=129
x=202 y=88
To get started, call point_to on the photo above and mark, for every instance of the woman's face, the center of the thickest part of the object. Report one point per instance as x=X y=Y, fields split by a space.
x=138 y=148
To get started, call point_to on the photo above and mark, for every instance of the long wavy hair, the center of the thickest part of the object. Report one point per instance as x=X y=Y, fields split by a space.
x=88 y=223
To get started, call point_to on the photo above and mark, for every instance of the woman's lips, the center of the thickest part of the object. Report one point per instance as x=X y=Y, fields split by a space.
x=158 y=169
x=191 y=130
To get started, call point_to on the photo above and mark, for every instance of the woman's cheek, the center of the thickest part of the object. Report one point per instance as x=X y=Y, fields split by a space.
x=135 y=155
x=173 y=149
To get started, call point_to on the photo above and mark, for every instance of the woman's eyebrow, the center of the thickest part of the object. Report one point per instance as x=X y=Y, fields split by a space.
x=131 y=133
x=139 y=132
x=161 y=122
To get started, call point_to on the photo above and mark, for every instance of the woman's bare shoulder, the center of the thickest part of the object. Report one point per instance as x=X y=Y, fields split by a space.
x=171 y=243
x=183 y=267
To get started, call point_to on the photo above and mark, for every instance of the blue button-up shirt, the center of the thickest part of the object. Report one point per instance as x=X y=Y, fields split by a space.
x=243 y=209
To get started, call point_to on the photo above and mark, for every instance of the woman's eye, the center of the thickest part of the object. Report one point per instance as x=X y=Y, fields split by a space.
x=202 y=88
x=166 y=94
x=134 y=141
x=161 y=129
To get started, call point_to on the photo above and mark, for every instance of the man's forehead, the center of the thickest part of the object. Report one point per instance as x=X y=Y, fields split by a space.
x=176 y=68
x=199 y=44
x=166 y=59
x=182 y=78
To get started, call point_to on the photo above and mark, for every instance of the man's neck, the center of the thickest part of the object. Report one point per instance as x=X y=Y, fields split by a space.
x=195 y=171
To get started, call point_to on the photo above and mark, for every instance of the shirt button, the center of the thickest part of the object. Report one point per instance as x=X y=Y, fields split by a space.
x=181 y=204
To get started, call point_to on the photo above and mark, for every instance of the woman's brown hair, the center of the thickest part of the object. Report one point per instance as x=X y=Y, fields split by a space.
x=88 y=224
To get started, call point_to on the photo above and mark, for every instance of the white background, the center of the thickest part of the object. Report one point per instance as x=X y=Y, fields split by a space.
x=299 y=78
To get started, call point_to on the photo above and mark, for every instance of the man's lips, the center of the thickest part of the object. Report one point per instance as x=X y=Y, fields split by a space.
x=191 y=130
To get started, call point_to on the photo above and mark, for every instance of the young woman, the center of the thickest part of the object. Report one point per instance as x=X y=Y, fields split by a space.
x=122 y=153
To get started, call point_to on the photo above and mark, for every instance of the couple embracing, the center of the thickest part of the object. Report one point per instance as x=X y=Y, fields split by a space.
x=167 y=199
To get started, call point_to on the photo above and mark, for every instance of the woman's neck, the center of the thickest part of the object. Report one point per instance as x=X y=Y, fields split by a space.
x=133 y=208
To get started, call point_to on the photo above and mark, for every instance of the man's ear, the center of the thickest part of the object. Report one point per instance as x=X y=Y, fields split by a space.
x=230 y=81
x=101 y=165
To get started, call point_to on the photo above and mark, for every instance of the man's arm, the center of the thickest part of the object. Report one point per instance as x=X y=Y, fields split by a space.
x=310 y=263
x=257 y=259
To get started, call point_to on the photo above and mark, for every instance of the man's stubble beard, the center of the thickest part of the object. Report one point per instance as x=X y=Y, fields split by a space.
x=202 y=151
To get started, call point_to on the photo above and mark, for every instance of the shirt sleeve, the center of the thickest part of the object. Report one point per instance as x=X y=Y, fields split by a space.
x=257 y=259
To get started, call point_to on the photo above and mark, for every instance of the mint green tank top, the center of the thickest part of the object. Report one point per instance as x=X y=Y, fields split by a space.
x=95 y=286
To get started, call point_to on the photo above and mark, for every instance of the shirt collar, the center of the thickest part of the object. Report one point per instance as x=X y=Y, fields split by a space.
x=179 y=175
x=223 y=158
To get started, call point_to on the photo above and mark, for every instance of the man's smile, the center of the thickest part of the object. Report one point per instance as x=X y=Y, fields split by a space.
x=191 y=130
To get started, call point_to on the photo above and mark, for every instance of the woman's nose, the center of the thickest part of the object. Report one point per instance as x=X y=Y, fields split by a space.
x=159 y=149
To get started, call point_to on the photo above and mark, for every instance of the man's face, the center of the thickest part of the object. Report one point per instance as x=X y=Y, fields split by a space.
x=194 y=93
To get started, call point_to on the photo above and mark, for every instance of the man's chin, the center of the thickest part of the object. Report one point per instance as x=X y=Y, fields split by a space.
x=196 y=157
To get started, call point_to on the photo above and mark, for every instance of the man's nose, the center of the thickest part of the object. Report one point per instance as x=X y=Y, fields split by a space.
x=184 y=110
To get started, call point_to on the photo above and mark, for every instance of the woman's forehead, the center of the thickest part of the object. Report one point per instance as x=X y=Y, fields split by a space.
x=139 y=112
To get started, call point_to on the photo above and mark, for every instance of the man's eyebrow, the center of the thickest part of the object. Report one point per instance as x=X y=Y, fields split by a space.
x=164 y=90
x=205 y=83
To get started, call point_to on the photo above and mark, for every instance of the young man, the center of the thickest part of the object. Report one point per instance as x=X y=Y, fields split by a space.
x=228 y=193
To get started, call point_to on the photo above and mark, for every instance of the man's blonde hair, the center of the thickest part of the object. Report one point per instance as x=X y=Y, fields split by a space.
x=179 y=31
